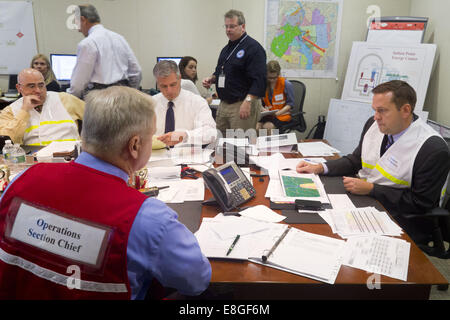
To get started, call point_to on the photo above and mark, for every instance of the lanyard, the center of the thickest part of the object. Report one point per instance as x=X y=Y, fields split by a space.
x=223 y=65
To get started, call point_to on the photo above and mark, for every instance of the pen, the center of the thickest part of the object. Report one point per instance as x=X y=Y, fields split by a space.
x=233 y=244
x=265 y=257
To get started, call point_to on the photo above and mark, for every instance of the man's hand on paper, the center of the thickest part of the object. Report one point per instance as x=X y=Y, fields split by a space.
x=173 y=138
x=305 y=167
x=357 y=186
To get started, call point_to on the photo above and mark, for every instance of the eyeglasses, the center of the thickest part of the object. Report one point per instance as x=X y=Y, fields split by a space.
x=230 y=26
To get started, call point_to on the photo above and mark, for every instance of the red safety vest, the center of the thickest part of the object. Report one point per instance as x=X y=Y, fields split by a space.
x=278 y=92
x=82 y=193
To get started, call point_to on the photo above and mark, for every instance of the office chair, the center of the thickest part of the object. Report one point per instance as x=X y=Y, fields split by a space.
x=440 y=218
x=297 y=123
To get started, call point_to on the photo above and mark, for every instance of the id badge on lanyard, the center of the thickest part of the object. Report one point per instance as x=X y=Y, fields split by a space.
x=221 y=81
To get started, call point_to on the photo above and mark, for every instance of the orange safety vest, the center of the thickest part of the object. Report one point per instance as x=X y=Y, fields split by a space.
x=278 y=99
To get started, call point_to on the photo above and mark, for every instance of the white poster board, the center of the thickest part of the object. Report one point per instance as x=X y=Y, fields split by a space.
x=17 y=36
x=373 y=63
x=345 y=121
x=396 y=30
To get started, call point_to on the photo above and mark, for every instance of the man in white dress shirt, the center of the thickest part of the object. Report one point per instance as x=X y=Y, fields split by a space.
x=104 y=57
x=181 y=116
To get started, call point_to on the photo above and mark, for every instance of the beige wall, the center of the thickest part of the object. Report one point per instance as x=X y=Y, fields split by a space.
x=194 y=27
x=438 y=32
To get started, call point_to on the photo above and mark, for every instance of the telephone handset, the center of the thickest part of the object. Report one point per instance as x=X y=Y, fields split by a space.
x=229 y=185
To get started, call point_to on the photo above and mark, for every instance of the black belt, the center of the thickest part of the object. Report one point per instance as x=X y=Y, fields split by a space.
x=99 y=86
x=233 y=100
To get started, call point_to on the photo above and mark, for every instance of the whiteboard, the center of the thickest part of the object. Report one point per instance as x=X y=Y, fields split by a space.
x=373 y=63
x=17 y=36
x=345 y=122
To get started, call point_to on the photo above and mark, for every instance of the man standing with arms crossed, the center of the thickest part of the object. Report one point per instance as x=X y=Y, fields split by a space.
x=240 y=77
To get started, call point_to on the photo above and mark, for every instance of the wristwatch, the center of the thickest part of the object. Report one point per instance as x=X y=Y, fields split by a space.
x=248 y=98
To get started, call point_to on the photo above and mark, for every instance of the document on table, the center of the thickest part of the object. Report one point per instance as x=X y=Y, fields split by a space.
x=180 y=190
x=262 y=213
x=359 y=221
x=379 y=254
x=302 y=186
x=216 y=235
x=213 y=246
x=303 y=253
x=319 y=149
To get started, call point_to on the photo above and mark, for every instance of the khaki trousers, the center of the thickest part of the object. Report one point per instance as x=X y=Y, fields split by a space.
x=227 y=116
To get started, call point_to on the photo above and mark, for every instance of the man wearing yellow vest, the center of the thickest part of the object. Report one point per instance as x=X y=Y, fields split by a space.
x=400 y=160
x=279 y=96
x=40 y=116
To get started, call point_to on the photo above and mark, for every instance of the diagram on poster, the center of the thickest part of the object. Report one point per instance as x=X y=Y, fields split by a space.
x=371 y=64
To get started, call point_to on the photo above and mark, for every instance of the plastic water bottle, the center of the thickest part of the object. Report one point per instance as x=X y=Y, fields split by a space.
x=7 y=151
x=18 y=155
x=17 y=160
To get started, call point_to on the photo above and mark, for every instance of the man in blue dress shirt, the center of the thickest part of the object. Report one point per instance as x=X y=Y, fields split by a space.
x=118 y=126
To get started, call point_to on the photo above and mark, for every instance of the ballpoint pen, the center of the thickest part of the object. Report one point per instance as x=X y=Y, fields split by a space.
x=233 y=244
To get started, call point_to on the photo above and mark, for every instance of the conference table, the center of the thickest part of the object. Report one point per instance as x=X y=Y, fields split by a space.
x=247 y=280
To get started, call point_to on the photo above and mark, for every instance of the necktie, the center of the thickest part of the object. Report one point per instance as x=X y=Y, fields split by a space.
x=170 y=118
x=389 y=143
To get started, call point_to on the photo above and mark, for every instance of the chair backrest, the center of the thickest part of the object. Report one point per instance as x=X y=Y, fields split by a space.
x=299 y=98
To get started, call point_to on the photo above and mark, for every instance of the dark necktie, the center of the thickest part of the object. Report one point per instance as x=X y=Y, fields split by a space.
x=170 y=118
x=390 y=141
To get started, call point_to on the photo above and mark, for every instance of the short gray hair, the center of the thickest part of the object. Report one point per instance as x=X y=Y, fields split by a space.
x=114 y=115
x=89 y=12
x=236 y=13
x=164 y=68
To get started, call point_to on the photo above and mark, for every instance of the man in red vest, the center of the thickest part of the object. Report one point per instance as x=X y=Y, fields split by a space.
x=279 y=97
x=80 y=232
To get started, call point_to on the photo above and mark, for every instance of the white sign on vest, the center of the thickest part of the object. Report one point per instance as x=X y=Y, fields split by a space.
x=62 y=236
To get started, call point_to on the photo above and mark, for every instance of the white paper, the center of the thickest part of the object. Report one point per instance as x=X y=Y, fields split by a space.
x=379 y=254
x=262 y=213
x=162 y=173
x=307 y=254
x=231 y=226
x=56 y=146
x=341 y=201
x=362 y=221
x=319 y=149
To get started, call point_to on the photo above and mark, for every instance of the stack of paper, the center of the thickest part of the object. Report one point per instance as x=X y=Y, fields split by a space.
x=55 y=146
x=379 y=254
x=303 y=253
x=306 y=254
x=179 y=190
x=316 y=149
x=362 y=221
x=216 y=235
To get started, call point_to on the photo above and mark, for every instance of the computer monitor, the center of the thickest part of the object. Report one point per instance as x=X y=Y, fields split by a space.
x=12 y=82
x=175 y=59
x=62 y=65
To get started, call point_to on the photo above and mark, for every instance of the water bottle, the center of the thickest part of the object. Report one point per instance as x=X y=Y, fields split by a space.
x=7 y=152
x=17 y=160
x=18 y=155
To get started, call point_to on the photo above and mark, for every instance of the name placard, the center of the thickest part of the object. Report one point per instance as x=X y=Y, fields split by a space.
x=59 y=235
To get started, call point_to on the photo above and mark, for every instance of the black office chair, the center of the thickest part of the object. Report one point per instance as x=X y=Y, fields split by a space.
x=297 y=122
x=440 y=218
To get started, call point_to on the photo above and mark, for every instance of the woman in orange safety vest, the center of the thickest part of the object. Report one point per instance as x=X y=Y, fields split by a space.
x=279 y=97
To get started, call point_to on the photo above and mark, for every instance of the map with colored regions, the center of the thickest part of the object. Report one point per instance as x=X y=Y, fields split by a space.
x=303 y=36
x=299 y=187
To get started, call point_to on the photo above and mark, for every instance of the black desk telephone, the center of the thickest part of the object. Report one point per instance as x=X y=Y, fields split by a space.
x=229 y=186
